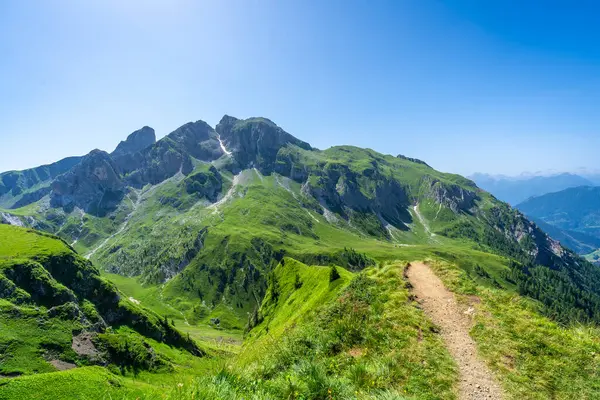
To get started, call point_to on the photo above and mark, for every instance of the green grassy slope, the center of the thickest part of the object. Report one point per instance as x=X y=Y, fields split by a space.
x=49 y=294
x=362 y=339
x=360 y=336
x=152 y=297
x=81 y=383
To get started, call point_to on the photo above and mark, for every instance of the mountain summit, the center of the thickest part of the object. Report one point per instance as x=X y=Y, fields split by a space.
x=255 y=142
x=135 y=142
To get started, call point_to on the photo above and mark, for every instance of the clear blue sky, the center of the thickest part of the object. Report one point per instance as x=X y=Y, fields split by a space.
x=492 y=86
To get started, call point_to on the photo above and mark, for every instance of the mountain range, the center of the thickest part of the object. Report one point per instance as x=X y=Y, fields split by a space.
x=573 y=213
x=245 y=232
x=552 y=201
x=515 y=190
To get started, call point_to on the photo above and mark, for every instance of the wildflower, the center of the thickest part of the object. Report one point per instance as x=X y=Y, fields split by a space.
x=180 y=385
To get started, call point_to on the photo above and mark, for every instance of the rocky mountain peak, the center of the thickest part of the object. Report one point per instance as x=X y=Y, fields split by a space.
x=255 y=142
x=93 y=185
x=137 y=141
x=228 y=120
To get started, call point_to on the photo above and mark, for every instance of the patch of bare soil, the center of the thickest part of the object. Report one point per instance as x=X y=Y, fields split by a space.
x=62 y=365
x=83 y=345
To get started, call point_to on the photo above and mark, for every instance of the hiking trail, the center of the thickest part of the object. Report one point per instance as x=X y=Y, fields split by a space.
x=476 y=381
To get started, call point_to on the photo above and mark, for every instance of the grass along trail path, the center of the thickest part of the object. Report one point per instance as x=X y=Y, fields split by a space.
x=476 y=380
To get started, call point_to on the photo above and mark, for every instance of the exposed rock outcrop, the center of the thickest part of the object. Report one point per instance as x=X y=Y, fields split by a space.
x=32 y=197
x=94 y=185
x=347 y=192
x=452 y=196
x=415 y=160
x=170 y=155
x=137 y=141
x=255 y=142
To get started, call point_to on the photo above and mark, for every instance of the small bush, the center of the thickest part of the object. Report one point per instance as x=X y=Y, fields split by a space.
x=334 y=274
x=297 y=282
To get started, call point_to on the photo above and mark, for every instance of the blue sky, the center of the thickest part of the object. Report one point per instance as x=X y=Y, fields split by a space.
x=489 y=86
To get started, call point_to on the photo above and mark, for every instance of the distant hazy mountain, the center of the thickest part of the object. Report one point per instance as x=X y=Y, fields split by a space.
x=574 y=211
x=515 y=190
x=592 y=177
x=579 y=242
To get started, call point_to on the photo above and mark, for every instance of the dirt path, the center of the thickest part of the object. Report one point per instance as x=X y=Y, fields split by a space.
x=476 y=380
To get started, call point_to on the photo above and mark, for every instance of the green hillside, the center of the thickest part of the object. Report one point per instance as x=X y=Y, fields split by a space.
x=58 y=313
x=240 y=262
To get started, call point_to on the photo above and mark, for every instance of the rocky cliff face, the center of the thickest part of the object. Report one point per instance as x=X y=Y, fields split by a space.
x=155 y=164
x=255 y=142
x=452 y=196
x=97 y=182
x=137 y=141
x=345 y=192
x=170 y=155
x=93 y=185
x=198 y=140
